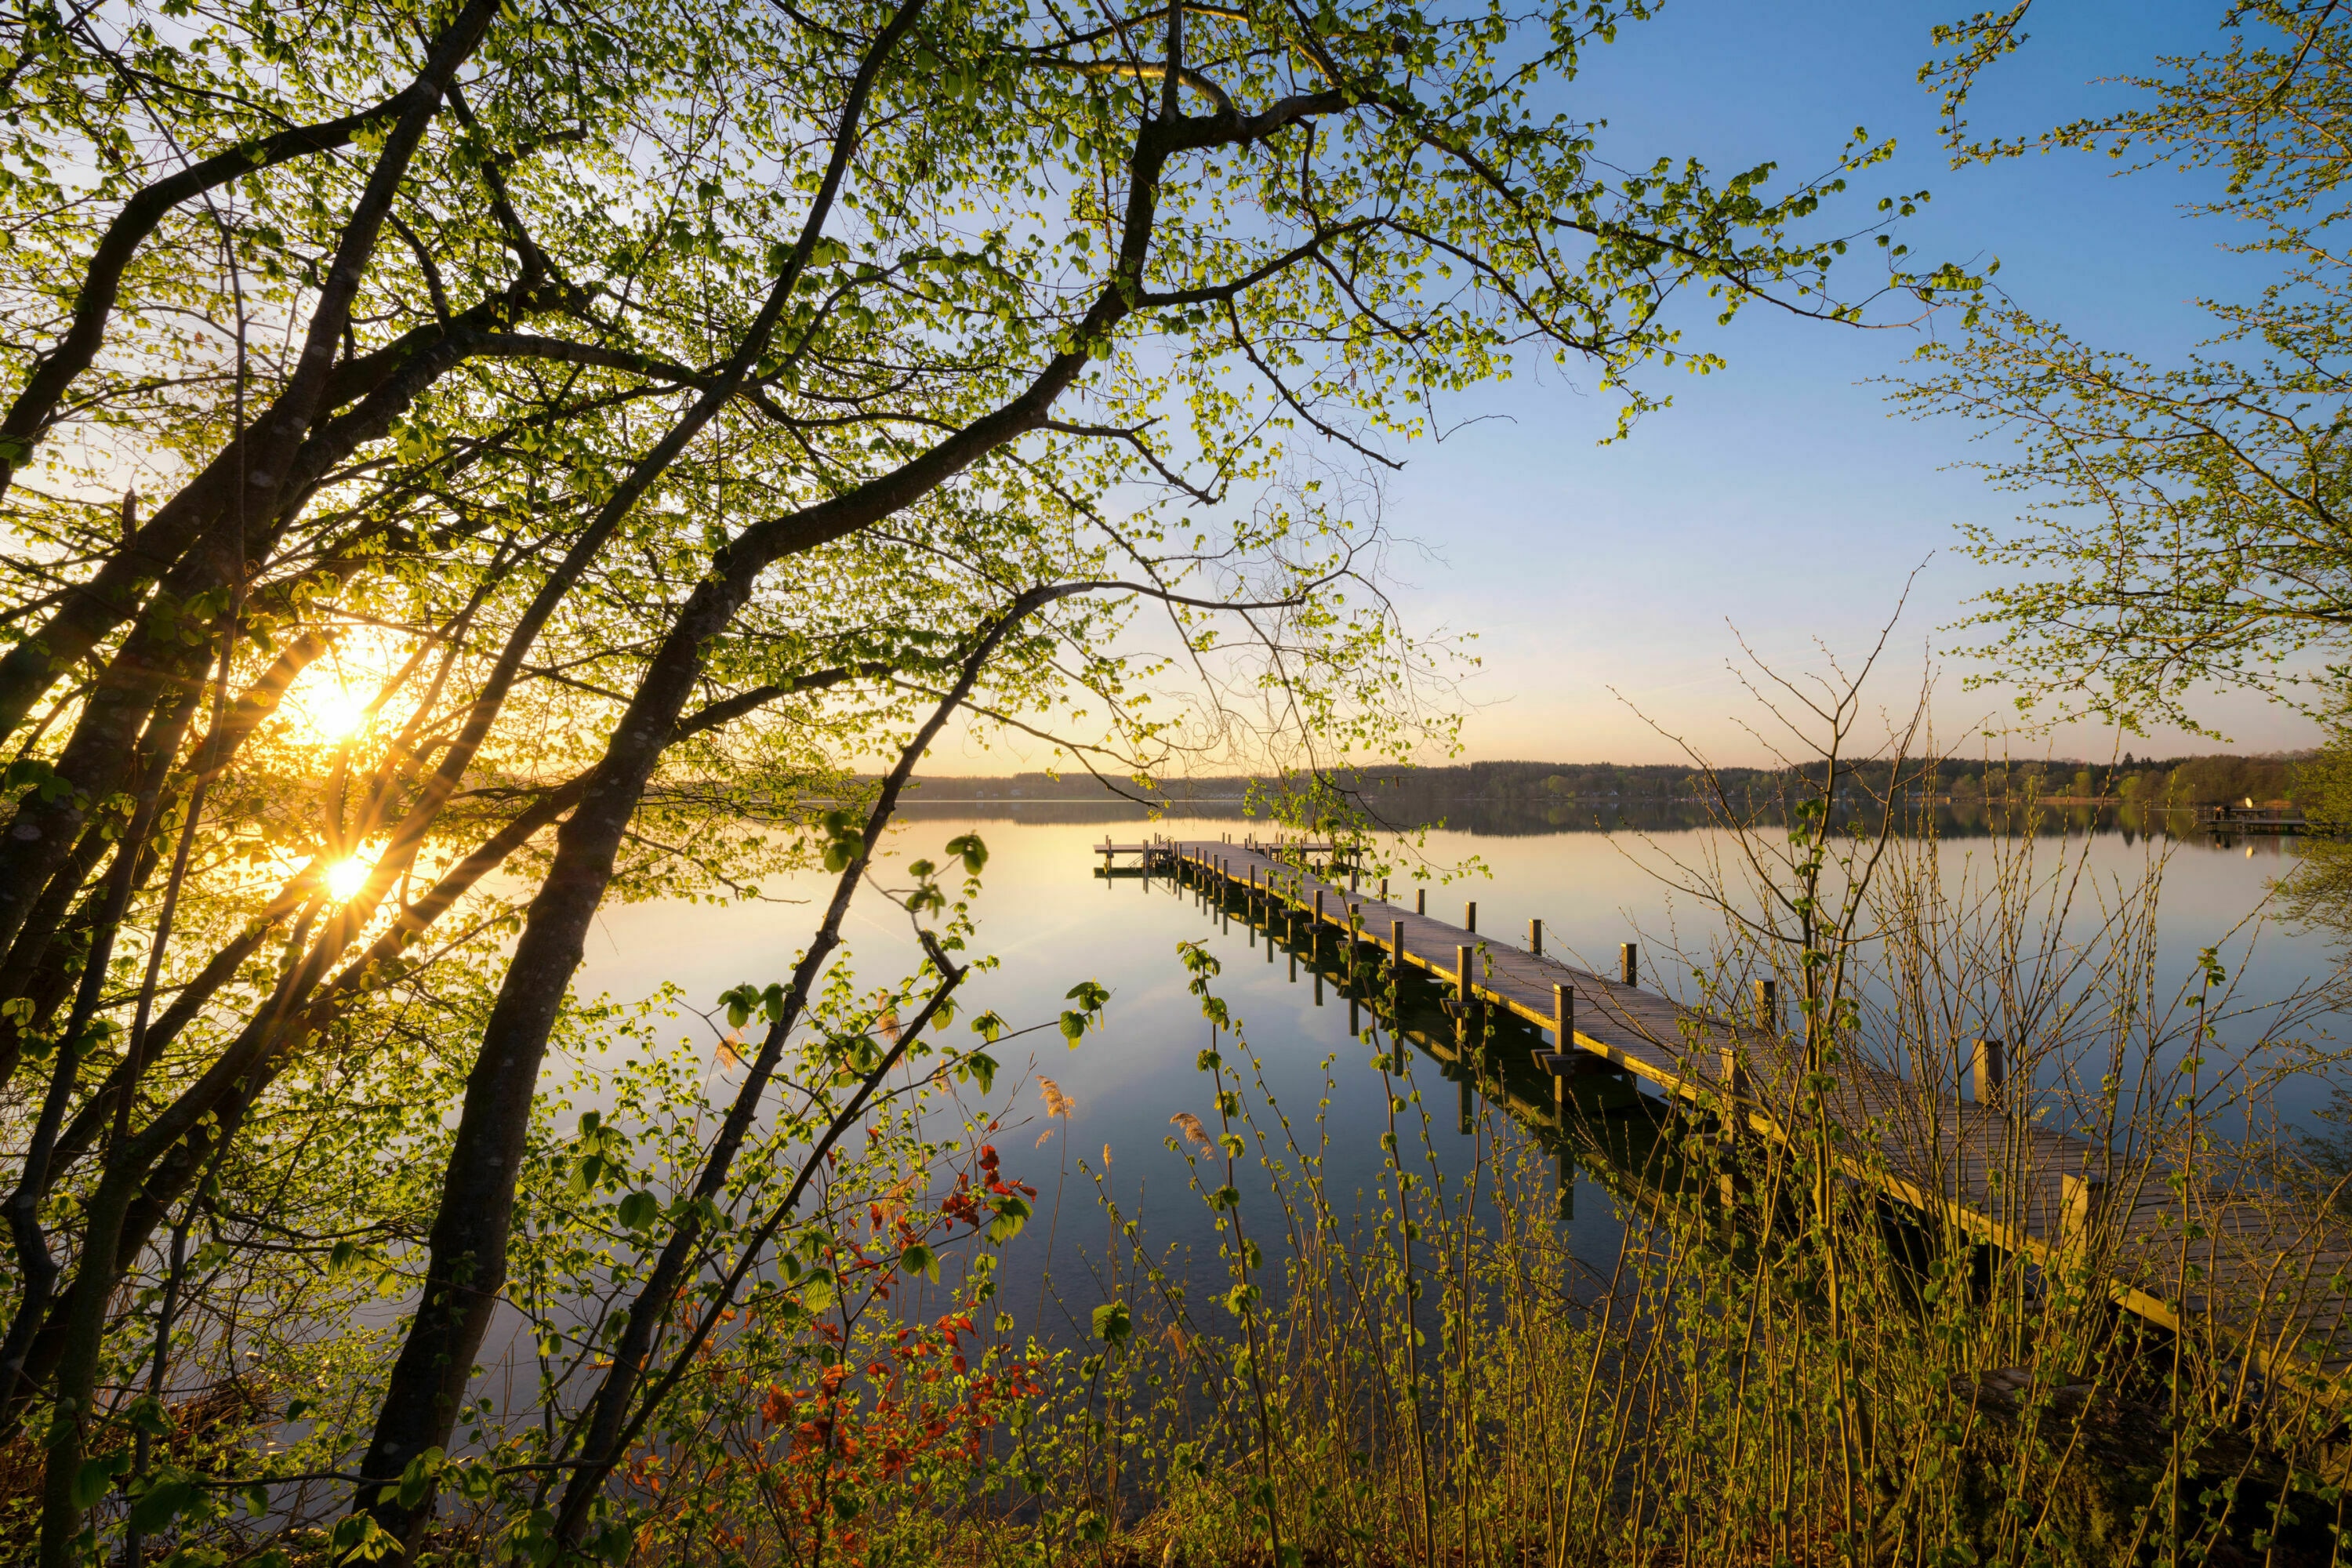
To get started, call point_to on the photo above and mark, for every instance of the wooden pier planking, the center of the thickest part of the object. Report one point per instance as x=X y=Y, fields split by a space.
x=1934 y=1152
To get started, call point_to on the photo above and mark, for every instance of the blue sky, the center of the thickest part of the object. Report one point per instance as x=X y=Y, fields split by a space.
x=1782 y=495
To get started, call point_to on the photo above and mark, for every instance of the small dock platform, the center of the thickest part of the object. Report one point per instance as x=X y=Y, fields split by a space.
x=2276 y=1278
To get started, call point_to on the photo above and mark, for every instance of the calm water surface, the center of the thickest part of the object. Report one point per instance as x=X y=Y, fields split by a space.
x=1053 y=921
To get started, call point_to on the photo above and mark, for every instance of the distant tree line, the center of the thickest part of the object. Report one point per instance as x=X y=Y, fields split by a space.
x=1423 y=794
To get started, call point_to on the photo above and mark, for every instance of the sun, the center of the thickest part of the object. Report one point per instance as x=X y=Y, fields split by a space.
x=346 y=877
x=335 y=713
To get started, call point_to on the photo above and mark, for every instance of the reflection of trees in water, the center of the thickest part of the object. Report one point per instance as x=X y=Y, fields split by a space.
x=1492 y=818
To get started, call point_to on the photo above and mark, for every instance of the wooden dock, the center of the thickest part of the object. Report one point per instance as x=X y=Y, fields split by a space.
x=2275 y=1278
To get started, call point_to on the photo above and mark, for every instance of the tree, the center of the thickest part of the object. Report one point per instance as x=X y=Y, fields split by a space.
x=2185 y=524
x=574 y=434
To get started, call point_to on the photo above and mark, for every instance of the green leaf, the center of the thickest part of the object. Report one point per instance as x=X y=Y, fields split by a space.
x=739 y=1002
x=980 y=1067
x=417 y=1481
x=168 y=1494
x=96 y=1475
x=971 y=850
x=916 y=1258
x=639 y=1210
x=1011 y=1214
x=1113 y=1324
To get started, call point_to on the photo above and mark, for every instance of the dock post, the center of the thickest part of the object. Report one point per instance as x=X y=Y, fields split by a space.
x=1768 y=1005
x=1355 y=940
x=1351 y=876
x=1990 y=1070
x=1384 y=889
x=1317 y=931
x=1563 y=1028
x=2082 y=1203
x=1462 y=991
x=1535 y=938
x=1396 y=946
x=1628 y=963
x=1420 y=900
x=1470 y=917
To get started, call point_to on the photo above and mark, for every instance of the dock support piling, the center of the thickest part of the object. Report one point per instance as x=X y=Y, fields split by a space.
x=1470 y=917
x=1535 y=938
x=1628 y=963
x=1768 y=1005
x=1420 y=900
x=1990 y=1070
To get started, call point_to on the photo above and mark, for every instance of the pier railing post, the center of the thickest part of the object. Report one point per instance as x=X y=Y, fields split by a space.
x=1396 y=945
x=1470 y=917
x=2082 y=1206
x=1768 y=1005
x=1628 y=963
x=1420 y=900
x=1462 y=989
x=1990 y=1070
x=1535 y=938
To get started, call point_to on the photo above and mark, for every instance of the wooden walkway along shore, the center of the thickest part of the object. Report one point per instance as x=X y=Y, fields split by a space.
x=2277 y=1278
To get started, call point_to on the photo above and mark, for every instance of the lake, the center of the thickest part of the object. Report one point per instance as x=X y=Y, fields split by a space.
x=1053 y=921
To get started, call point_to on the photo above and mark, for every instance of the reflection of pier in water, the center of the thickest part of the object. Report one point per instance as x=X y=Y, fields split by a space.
x=1594 y=1123
x=2271 y=1273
